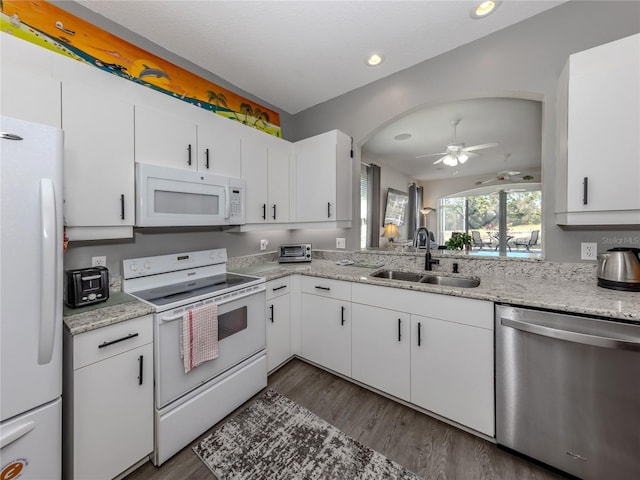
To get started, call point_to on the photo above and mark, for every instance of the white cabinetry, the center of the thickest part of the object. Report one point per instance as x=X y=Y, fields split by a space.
x=326 y=323
x=452 y=368
x=278 y=322
x=98 y=164
x=165 y=139
x=598 y=142
x=380 y=340
x=218 y=147
x=108 y=394
x=451 y=353
x=29 y=92
x=266 y=171
x=322 y=179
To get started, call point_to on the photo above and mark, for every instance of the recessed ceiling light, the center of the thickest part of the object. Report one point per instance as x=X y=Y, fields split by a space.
x=402 y=136
x=485 y=8
x=375 y=59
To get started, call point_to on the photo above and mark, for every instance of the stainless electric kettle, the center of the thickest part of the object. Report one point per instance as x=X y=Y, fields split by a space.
x=619 y=269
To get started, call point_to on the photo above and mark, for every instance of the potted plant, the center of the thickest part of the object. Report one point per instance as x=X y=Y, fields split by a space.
x=459 y=241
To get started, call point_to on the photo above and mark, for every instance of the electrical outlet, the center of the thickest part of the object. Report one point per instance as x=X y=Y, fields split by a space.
x=341 y=243
x=263 y=244
x=588 y=251
x=99 y=261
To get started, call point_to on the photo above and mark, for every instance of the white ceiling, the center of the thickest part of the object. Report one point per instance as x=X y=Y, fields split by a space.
x=297 y=54
x=515 y=124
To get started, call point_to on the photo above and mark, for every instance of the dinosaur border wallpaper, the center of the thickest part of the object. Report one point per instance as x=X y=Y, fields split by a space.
x=48 y=26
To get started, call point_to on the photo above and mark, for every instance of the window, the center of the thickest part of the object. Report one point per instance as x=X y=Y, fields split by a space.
x=481 y=211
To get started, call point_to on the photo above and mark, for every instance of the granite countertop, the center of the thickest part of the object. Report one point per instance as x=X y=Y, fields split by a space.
x=118 y=308
x=571 y=296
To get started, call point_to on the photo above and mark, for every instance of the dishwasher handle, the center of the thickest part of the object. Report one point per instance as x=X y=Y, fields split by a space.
x=569 y=336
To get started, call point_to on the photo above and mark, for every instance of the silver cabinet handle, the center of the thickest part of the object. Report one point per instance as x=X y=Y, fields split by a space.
x=583 y=338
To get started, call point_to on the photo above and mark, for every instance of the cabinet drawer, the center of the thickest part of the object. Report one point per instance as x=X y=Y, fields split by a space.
x=106 y=342
x=276 y=288
x=326 y=287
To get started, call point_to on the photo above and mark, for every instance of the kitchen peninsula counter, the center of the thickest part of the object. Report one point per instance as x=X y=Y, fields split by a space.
x=572 y=295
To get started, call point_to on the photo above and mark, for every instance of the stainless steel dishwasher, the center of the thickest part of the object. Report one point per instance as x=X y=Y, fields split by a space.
x=568 y=391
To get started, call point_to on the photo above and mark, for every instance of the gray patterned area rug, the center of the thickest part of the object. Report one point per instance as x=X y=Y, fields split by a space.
x=275 y=438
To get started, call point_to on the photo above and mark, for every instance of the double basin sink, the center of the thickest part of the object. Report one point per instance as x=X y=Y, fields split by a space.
x=462 y=282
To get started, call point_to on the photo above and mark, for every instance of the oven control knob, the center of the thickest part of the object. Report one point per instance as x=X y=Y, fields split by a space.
x=147 y=265
x=134 y=267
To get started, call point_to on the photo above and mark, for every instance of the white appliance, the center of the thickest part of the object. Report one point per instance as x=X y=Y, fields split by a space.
x=187 y=404
x=30 y=300
x=172 y=197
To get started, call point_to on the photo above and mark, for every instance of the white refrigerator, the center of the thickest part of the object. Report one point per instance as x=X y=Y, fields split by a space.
x=31 y=234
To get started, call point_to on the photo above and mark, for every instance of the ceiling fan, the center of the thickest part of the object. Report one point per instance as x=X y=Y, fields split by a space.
x=457 y=152
x=507 y=175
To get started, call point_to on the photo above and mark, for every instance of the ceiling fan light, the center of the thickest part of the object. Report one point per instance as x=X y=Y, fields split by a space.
x=450 y=161
x=463 y=158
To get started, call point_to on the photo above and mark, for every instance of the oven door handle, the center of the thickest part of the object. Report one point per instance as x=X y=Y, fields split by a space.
x=172 y=318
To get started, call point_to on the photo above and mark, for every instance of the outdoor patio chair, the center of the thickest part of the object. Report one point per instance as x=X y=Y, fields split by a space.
x=528 y=243
x=478 y=241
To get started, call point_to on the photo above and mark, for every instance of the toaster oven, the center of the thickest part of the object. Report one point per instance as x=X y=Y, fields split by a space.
x=300 y=252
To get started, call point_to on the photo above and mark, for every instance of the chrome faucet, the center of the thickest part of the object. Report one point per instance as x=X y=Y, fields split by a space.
x=428 y=261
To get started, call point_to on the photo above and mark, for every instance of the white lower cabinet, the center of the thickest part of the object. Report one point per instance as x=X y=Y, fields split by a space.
x=326 y=323
x=452 y=371
x=448 y=367
x=108 y=392
x=278 y=323
x=380 y=341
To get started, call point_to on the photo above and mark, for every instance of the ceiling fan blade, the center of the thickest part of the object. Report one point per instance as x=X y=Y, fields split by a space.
x=478 y=147
x=471 y=154
x=440 y=159
x=431 y=154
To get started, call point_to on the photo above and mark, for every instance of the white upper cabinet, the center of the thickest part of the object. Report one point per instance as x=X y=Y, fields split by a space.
x=598 y=141
x=218 y=147
x=98 y=164
x=29 y=92
x=165 y=139
x=266 y=171
x=322 y=178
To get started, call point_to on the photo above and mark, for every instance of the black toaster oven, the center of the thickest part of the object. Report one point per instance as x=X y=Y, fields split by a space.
x=85 y=286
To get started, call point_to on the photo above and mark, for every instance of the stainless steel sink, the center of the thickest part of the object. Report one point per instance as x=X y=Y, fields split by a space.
x=398 y=275
x=450 y=281
x=462 y=282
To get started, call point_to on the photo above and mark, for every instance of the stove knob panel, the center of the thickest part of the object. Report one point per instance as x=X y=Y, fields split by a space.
x=134 y=267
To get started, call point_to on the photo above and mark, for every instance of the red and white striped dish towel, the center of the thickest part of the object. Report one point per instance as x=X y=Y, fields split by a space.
x=199 y=336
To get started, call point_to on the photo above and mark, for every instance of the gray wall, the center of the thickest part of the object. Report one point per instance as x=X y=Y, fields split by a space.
x=521 y=61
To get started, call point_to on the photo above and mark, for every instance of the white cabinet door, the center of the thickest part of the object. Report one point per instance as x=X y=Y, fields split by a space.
x=254 y=173
x=113 y=414
x=279 y=178
x=98 y=161
x=326 y=332
x=29 y=96
x=315 y=181
x=218 y=149
x=278 y=331
x=165 y=139
x=598 y=141
x=380 y=342
x=452 y=371
x=604 y=144
x=323 y=178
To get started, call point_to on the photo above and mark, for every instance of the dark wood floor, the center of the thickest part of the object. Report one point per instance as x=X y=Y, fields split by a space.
x=428 y=447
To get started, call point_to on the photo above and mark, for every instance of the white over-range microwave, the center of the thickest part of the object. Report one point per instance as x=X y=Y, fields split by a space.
x=172 y=197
